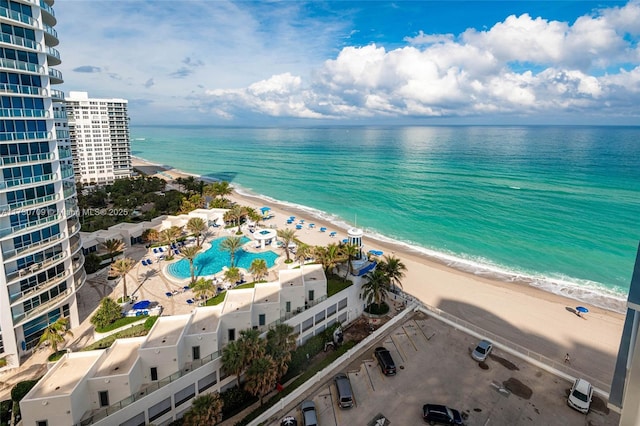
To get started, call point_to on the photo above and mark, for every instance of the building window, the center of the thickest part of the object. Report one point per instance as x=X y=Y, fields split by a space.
x=154 y=373
x=41 y=423
x=287 y=307
x=104 y=398
x=311 y=293
x=261 y=319
x=232 y=334
x=195 y=352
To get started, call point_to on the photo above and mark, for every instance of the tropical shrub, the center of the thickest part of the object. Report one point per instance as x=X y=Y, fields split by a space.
x=22 y=388
x=108 y=312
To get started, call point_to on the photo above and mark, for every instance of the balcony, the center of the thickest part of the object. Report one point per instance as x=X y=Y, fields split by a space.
x=42 y=244
x=67 y=171
x=27 y=181
x=17 y=16
x=73 y=225
x=18 y=297
x=19 y=41
x=23 y=90
x=79 y=279
x=50 y=35
x=19 y=319
x=58 y=95
x=55 y=76
x=64 y=153
x=62 y=134
x=53 y=56
x=30 y=225
x=34 y=268
x=22 y=66
x=21 y=112
x=22 y=136
x=48 y=15
x=68 y=192
x=25 y=159
x=34 y=202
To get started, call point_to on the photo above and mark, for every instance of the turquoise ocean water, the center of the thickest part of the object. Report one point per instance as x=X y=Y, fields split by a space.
x=557 y=207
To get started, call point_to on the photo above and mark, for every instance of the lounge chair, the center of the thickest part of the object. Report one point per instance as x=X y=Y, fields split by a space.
x=186 y=288
x=155 y=250
x=190 y=301
x=323 y=229
x=144 y=262
x=312 y=225
x=333 y=234
x=298 y=226
x=168 y=294
x=161 y=249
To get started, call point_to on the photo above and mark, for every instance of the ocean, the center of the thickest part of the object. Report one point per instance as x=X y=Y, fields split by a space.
x=553 y=207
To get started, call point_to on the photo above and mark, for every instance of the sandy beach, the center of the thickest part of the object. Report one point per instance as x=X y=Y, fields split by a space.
x=542 y=322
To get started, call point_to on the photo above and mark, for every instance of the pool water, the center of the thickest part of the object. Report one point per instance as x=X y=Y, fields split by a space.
x=214 y=259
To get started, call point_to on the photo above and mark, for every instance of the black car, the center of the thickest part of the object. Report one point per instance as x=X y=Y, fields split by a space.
x=385 y=360
x=440 y=414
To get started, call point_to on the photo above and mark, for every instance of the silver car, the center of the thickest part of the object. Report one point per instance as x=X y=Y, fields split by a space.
x=482 y=351
x=309 y=414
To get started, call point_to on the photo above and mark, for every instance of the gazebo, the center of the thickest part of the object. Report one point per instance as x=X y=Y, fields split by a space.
x=264 y=235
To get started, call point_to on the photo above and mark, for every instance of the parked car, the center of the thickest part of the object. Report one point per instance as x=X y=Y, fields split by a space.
x=289 y=421
x=482 y=351
x=385 y=360
x=441 y=414
x=309 y=414
x=343 y=388
x=580 y=395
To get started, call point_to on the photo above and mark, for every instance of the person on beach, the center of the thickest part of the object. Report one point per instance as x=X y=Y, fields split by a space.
x=567 y=359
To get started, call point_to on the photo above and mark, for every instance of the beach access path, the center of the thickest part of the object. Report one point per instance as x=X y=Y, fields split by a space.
x=538 y=320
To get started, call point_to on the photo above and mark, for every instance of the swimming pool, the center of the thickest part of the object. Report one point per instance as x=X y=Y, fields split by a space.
x=214 y=259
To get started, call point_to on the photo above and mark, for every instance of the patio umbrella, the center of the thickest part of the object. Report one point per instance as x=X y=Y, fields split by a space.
x=143 y=304
x=582 y=309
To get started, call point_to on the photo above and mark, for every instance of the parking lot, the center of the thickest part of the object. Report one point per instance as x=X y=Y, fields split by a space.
x=435 y=366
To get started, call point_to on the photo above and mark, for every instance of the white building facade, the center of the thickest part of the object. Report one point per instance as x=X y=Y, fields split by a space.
x=153 y=379
x=40 y=249
x=100 y=141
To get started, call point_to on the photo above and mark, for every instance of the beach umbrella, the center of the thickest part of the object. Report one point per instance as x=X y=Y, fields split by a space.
x=581 y=310
x=265 y=209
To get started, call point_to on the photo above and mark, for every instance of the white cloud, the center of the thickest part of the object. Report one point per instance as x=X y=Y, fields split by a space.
x=219 y=60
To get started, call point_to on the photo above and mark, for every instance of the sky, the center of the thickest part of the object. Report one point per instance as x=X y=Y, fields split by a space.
x=248 y=63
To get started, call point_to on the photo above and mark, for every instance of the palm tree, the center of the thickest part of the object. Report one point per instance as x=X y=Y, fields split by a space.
x=206 y=409
x=113 y=247
x=120 y=268
x=197 y=226
x=253 y=347
x=190 y=254
x=54 y=333
x=280 y=345
x=170 y=235
x=232 y=244
x=232 y=359
x=254 y=216
x=150 y=235
x=332 y=256
x=258 y=269
x=232 y=275
x=238 y=213
x=261 y=377
x=287 y=236
x=218 y=189
x=202 y=288
x=303 y=252
x=376 y=289
x=350 y=251
x=394 y=269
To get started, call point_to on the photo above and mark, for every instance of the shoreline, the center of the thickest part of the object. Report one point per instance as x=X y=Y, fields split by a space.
x=600 y=298
x=532 y=317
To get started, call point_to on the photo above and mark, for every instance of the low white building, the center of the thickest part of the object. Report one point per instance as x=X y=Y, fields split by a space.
x=154 y=378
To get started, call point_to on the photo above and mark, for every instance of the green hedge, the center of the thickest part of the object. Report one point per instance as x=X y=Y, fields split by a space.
x=336 y=284
x=22 y=388
x=121 y=322
x=135 y=331
x=56 y=355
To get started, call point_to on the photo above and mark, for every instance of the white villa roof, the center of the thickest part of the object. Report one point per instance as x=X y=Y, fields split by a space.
x=166 y=332
x=205 y=320
x=267 y=293
x=238 y=300
x=121 y=356
x=65 y=375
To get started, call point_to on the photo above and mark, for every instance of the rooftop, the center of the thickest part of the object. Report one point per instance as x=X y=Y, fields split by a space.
x=205 y=320
x=267 y=293
x=238 y=300
x=313 y=273
x=65 y=375
x=121 y=356
x=166 y=332
x=291 y=277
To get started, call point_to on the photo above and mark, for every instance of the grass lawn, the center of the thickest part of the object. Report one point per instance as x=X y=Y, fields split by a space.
x=247 y=285
x=216 y=300
x=336 y=284
x=121 y=322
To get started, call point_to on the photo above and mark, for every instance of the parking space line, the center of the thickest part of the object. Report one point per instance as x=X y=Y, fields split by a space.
x=410 y=339
x=398 y=348
x=369 y=376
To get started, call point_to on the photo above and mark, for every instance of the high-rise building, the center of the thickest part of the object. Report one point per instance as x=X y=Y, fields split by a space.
x=99 y=131
x=41 y=262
